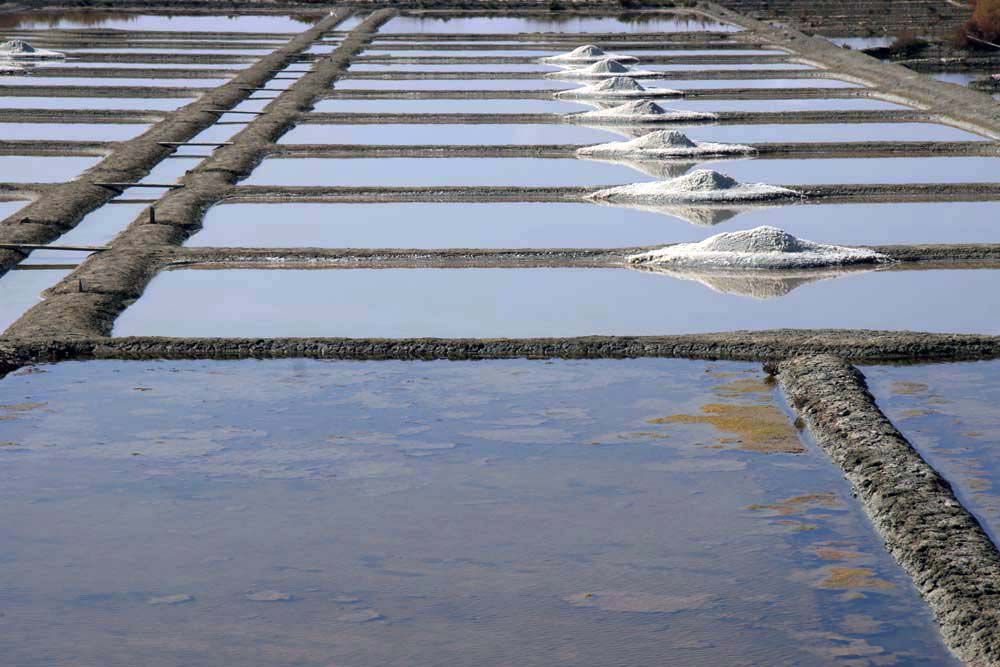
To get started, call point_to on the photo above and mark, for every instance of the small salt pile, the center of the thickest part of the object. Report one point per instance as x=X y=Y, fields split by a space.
x=760 y=248
x=639 y=111
x=601 y=69
x=588 y=53
x=19 y=49
x=702 y=186
x=663 y=144
x=618 y=87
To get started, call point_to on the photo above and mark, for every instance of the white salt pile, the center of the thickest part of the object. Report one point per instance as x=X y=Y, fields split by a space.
x=702 y=186
x=663 y=144
x=20 y=49
x=618 y=87
x=601 y=69
x=588 y=53
x=639 y=111
x=760 y=248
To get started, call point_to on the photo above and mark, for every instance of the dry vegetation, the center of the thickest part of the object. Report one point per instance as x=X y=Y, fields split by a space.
x=984 y=25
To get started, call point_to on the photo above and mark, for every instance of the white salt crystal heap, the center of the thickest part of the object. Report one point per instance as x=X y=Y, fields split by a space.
x=587 y=53
x=20 y=49
x=663 y=144
x=601 y=69
x=639 y=111
x=618 y=87
x=760 y=248
x=702 y=186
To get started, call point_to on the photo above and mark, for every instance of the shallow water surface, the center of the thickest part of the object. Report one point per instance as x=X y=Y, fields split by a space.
x=443 y=134
x=109 y=82
x=95 y=103
x=313 y=513
x=454 y=84
x=551 y=302
x=155 y=22
x=70 y=131
x=386 y=172
x=20 y=289
x=339 y=105
x=864 y=170
x=33 y=169
x=468 y=67
x=581 y=225
x=950 y=414
x=825 y=132
x=624 y=23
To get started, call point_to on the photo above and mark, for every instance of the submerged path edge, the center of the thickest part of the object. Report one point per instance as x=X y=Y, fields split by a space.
x=931 y=535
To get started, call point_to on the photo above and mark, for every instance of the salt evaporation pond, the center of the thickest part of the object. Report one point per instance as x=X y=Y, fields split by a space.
x=443 y=134
x=475 y=49
x=70 y=131
x=454 y=84
x=22 y=289
x=688 y=84
x=624 y=23
x=580 y=225
x=22 y=169
x=489 y=303
x=452 y=171
x=825 y=132
x=792 y=104
x=94 y=103
x=97 y=228
x=272 y=23
x=459 y=67
x=950 y=414
x=347 y=105
x=634 y=509
x=110 y=83
x=863 y=170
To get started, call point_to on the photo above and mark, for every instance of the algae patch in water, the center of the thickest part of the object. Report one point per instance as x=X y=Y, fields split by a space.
x=758 y=428
x=853 y=578
x=641 y=603
x=909 y=388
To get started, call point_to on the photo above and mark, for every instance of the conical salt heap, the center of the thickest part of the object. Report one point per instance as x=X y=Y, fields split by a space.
x=639 y=111
x=663 y=144
x=18 y=48
x=702 y=186
x=760 y=248
x=602 y=68
x=588 y=53
x=618 y=87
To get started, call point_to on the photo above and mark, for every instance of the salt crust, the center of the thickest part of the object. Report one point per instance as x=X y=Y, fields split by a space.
x=759 y=248
x=701 y=186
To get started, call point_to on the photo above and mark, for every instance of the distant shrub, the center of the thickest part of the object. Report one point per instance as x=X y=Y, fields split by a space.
x=984 y=25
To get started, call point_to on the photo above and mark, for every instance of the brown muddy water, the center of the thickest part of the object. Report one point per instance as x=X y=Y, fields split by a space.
x=408 y=513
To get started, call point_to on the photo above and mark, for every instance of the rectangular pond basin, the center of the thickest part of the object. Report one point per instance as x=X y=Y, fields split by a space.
x=33 y=169
x=949 y=412
x=70 y=131
x=109 y=83
x=335 y=513
x=454 y=84
x=823 y=132
x=692 y=84
x=625 y=23
x=387 y=172
x=469 y=67
x=442 y=134
x=95 y=103
x=21 y=288
x=338 y=105
x=792 y=104
x=488 y=303
x=863 y=170
x=97 y=228
x=175 y=22
x=391 y=51
x=581 y=225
